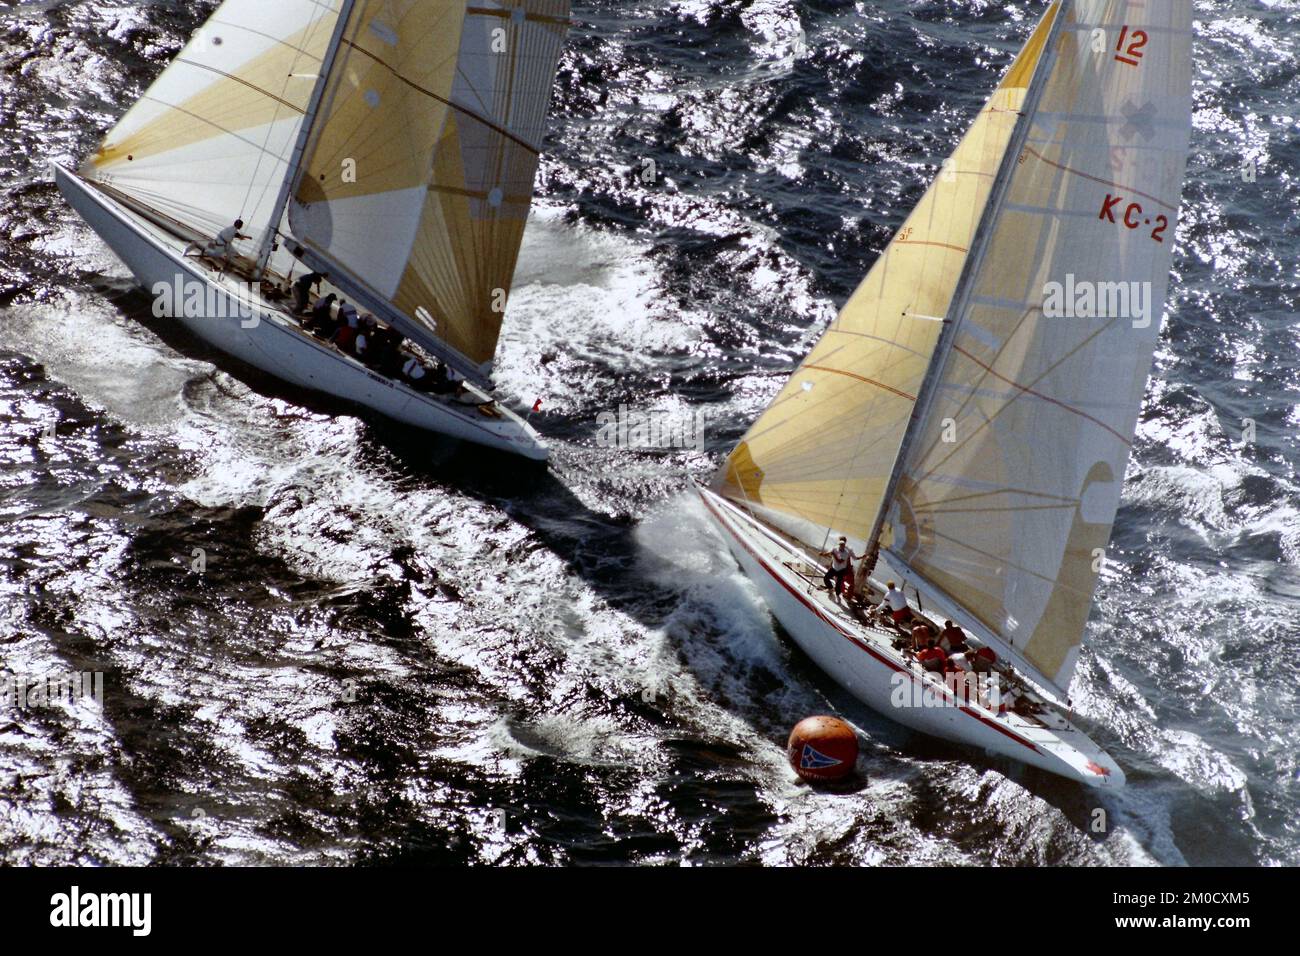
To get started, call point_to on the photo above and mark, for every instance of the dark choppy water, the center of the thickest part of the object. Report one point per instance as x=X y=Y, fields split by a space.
x=396 y=648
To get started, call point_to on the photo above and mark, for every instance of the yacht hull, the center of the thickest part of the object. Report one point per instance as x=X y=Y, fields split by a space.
x=862 y=660
x=239 y=323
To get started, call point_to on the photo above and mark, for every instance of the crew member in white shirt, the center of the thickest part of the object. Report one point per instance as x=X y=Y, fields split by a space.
x=223 y=246
x=842 y=558
x=894 y=605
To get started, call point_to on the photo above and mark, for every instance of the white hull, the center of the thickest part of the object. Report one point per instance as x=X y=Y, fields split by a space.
x=862 y=659
x=275 y=344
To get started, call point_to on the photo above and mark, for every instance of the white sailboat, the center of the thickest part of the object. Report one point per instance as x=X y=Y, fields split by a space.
x=389 y=143
x=967 y=419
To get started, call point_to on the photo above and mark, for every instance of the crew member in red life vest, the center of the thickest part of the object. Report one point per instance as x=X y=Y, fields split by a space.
x=348 y=324
x=922 y=636
x=981 y=659
x=894 y=604
x=842 y=559
x=932 y=658
x=951 y=638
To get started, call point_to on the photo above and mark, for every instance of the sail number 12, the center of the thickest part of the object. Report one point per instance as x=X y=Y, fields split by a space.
x=1132 y=216
x=1133 y=52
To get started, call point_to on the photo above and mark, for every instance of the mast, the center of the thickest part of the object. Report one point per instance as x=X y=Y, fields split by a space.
x=943 y=349
x=294 y=171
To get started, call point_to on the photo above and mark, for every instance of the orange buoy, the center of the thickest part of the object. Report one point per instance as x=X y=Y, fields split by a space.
x=823 y=748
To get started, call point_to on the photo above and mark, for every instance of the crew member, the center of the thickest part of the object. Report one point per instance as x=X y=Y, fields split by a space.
x=443 y=383
x=981 y=659
x=302 y=290
x=842 y=559
x=894 y=604
x=346 y=332
x=388 y=355
x=222 y=247
x=951 y=638
x=932 y=657
x=415 y=375
x=322 y=316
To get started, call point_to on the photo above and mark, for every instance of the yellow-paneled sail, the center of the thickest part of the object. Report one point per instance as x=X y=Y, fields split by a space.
x=817 y=462
x=211 y=138
x=418 y=177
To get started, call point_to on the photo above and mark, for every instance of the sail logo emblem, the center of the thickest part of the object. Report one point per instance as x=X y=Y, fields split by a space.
x=1141 y=120
x=812 y=759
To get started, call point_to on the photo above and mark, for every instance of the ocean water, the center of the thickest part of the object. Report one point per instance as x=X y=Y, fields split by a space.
x=327 y=640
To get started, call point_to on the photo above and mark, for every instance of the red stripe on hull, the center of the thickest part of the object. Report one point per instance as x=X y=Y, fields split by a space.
x=843 y=633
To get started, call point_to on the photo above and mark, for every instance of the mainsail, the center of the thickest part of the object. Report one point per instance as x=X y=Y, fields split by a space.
x=991 y=454
x=210 y=139
x=418 y=176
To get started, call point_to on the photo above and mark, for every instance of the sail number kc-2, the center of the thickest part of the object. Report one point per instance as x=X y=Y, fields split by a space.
x=1132 y=216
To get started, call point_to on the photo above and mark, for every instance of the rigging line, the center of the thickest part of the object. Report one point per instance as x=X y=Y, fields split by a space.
x=1004 y=562
x=863 y=378
x=857 y=454
x=278 y=41
x=1063 y=499
x=965 y=404
x=189 y=216
x=506 y=95
x=792 y=391
x=875 y=338
x=1039 y=76
x=812 y=440
x=1047 y=398
x=1016 y=509
x=293 y=69
x=1098 y=179
x=238 y=79
x=865 y=429
x=830 y=463
x=202 y=119
x=445 y=101
x=988 y=420
x=295 y=164
x=961 y=410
